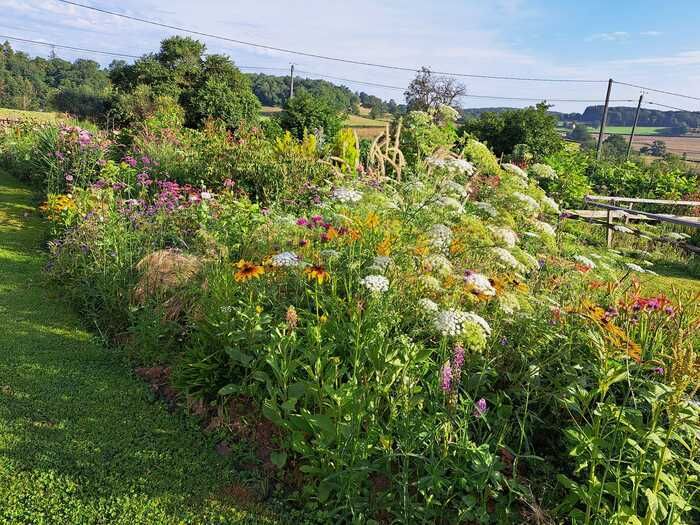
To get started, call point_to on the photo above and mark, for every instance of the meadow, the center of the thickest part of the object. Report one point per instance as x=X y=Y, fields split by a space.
x=405 y=331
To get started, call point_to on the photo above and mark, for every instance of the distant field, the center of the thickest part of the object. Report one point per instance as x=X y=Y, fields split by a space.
x=641 y=130
x=44 y=116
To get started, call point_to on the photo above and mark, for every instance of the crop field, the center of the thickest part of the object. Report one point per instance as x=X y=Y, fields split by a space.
x=18 y=114
x=641 y=130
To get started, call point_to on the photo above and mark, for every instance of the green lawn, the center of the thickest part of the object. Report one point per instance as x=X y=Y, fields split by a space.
x=82 y=441
x=640 y=131
x=43 y=116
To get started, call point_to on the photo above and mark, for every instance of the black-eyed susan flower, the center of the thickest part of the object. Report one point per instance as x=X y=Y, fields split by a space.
x=247 y=270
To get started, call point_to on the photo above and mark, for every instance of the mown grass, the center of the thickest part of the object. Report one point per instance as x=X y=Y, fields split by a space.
x=82 y=440
x=640 y=131
x=18 y=114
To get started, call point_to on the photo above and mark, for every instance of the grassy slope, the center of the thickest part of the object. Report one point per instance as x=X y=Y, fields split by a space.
x=44 y=116
x=81 y=439
x=640 y=131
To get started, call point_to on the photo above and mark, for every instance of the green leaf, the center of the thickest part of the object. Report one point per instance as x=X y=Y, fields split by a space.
x=230 y=389
x=278 y=459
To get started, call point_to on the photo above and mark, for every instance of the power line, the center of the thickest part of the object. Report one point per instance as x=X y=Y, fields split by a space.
x=672 y=107
x=314 y=55
x=49 y=44
x=658 y=90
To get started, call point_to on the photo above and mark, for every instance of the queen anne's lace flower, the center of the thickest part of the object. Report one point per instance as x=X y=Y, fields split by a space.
x=531 y=203
x=428 y=306
x=380 y=263
x=505 y=235
x=635 y=267
x=622 y=229
x=440 y=236
x=515 y=170
x=439 y=264
x=507 y=258
x=330 y=254
x=453 y=165
x=585 y=261
x=546 y=228
x=487 y=208
x=455 y=323
x=550 y=203
x=346 y=195
x=479 y=283
x=375 y=283
x=285 y=259
x=451 y=203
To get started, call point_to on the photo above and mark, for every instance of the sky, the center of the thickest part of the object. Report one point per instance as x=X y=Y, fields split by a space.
x=640 y=42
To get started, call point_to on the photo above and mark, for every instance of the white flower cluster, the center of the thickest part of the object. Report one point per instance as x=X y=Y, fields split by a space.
x=543 y=171
x=285 y=259
x=479 y=283
x=456 y=188
x=439 y=264
x=453 y=165
x=330 y=253
x=505 y=235
x=635 y=267
x=507 y=258
x=451 y=322
x=515 y=170
x=346 y=195
x=451 y=203
x=487 y=208
x=380 y=263
x=428 y=306
x=551 y=204
x=440 y=236
x=622 y=229
x=546 y=228
x=585 y=261
x=531 y=203
x=375 y=283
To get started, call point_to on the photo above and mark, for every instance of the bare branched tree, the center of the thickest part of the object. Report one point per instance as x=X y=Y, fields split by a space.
x=427 y=91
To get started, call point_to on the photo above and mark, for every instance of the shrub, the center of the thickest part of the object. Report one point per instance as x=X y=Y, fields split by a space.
x=305 y=113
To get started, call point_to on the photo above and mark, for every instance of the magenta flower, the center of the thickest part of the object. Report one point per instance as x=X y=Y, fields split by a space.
x=446 y=377
x=659 y=370
x=480 y=407
x=129 y=160
x=69 y=178
x=302 y=221
x=228 y=183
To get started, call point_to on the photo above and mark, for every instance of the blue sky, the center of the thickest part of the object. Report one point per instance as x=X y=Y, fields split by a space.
x=640 y=42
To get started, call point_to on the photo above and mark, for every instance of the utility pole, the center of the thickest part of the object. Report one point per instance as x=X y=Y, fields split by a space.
x=604 y=120
x=634 y=126
x=291 y=84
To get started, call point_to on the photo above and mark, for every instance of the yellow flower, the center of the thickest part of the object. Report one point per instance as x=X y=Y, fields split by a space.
x=372 y=220
x=247 y=270
x=323 y=318
x=259 y=309
x=317 y=272
x=384 y=247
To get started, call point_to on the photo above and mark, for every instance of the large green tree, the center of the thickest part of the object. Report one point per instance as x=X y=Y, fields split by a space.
x=532 y=126
x=305 y=112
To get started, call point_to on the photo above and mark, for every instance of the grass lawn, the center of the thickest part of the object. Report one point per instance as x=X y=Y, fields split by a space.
x=641 y=130
x=672 y=279
x=43 y=116
x=82 y=441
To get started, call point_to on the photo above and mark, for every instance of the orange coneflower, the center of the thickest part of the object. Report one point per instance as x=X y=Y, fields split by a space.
x=317 y=272
x=247 y=270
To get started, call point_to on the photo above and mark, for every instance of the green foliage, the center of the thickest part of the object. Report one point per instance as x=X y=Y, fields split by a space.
x=482 y=157
x=274 y=91
x=532 y=126
x=306 y=113
x=422 y=135
x=582 y=134
x=615 y=147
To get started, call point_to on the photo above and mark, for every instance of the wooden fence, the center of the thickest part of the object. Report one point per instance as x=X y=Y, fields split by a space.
x=611 y=210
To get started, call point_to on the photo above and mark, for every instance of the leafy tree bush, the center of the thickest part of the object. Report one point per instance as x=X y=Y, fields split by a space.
x=305 y=113
x=615 y=147
x=532 y=126
x=422 y=134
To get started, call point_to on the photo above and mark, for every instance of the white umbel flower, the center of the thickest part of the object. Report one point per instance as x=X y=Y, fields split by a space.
x=585 y=261
x=508 y=259
x=375 y=283
x=622 y=229
x=438 y=263
x=479 y=283
x=452 y=165
x=487 y=208
x=451 y=322
x=635 y=267
x=531 y=203
x=346 y=195
x=380 y=263
x=428 y=306
x=546 y=228
x=551 y=204
x=505 y=235
x=285 y=259
x=440 y=236
x=455 y=188
x=450 y=203
x=515 y=170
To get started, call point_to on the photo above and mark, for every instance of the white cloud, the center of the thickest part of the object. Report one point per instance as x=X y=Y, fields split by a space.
x=651 y=33
x=685 y=58
x=613 y=36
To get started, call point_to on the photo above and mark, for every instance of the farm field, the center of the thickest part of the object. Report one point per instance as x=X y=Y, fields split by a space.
x=641 y=130
x=17 y=114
